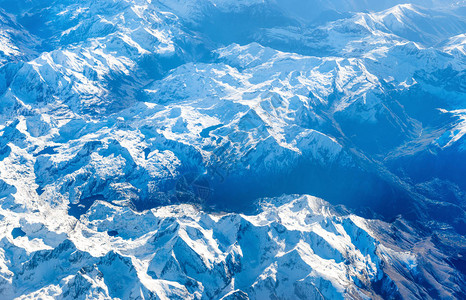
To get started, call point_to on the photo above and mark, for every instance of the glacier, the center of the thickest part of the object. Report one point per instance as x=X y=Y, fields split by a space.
x=168 y=149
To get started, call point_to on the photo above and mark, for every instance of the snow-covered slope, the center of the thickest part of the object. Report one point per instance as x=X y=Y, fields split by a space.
x=117 y=114
x=294 y=248
x=15 y=42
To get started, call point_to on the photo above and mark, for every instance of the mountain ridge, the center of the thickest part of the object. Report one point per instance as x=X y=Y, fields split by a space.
x=139 y=136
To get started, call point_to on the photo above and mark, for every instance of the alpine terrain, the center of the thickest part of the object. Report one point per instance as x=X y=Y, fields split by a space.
x=232 y=149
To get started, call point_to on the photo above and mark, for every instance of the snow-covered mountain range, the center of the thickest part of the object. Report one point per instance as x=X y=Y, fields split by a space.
x=137 y=136
x=295 y=248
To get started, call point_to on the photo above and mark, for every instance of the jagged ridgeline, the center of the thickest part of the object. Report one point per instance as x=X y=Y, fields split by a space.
x=131 y=109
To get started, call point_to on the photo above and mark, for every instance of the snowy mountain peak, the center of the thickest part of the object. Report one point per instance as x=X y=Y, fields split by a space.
x=192 y=254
